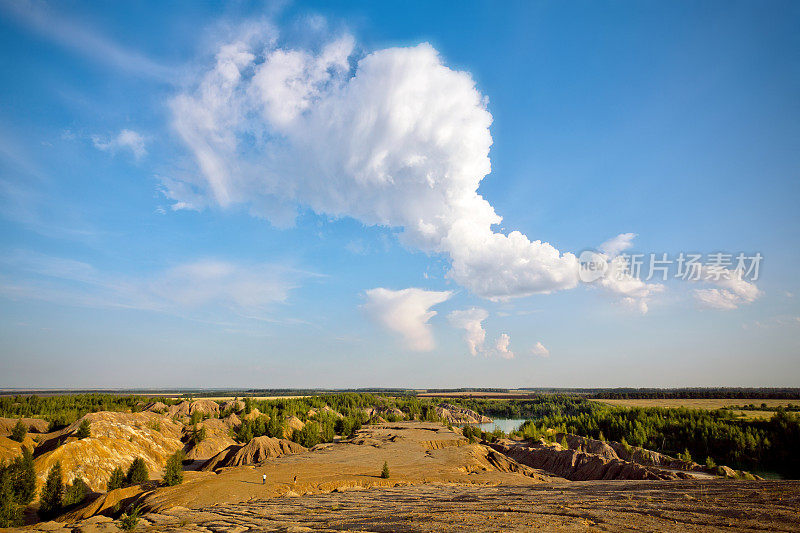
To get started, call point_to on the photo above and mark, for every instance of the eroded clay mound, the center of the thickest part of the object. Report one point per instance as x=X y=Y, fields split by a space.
x=116 y=440
x=204 y=407
x=459 y=415
x=34 y=425
x=255 y=451
x=577 y=465
x=217 y=438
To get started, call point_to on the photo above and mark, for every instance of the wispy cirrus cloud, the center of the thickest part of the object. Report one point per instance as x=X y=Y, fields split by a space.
x=124 y=140
x=54 y=26
x=192 y=289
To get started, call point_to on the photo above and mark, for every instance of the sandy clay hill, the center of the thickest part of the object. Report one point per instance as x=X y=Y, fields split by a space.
x=439 y=481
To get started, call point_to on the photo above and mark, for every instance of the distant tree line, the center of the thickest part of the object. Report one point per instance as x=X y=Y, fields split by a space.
x=699 y=393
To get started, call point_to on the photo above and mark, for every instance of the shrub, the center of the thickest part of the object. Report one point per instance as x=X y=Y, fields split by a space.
x=76 y=492
x=710 y=463
x=52 y=492
x=19 y=431
x=473 y=433
x=308 y=436
x=173 y=472
x=128 y=521
x=84 y=430
x=385 y=471
x=117 y=480
x=137 y=472
x=685 y=456
x=197 y=434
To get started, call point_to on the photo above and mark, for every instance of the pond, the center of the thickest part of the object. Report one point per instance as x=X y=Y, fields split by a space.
x=506 y=425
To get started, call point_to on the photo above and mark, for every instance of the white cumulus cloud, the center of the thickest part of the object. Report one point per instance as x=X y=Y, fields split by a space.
x=394 y=138
x=406 y=312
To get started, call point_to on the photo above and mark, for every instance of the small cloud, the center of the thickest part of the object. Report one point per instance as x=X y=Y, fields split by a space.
x=126 y=139
x=470 y=320
x=733 y=290
x=539 y=350
x=356 y=247
x=613 y=247
x=502 y=346
x=406 y=312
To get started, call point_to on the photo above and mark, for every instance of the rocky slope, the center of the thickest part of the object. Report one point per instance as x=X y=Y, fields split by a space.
x=10 y=449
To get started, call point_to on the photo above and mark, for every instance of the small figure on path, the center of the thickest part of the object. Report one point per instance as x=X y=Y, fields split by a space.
x=294 y=480
x=263 y=479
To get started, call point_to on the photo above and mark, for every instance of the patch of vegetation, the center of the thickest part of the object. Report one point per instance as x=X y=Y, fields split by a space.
x=84 y=430
x=385 y=471
x=51 y=501
x=117 y=480
x=10 y=510
x=197 y=434
x=137 y=472
x=19 y=431
x=173 y=472
x=129 y=521
x=76 y=492
x=63 y=410
x=17 y=488
x=309 y=436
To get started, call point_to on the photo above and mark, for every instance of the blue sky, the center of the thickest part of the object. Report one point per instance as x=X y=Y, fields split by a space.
x=299 y=194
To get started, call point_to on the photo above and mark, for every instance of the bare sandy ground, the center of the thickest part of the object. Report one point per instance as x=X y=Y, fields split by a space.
x=649 y=506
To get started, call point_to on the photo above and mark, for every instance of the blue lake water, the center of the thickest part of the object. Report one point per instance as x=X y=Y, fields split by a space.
x=507 y=425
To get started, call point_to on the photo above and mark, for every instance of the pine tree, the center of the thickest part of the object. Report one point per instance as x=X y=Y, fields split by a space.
x=24 y=477
x=52 y=492
x=76 y=492
x=137 y=473
x=84 y=430
x=173 y=472
x=10 y=514
x=19 y=431
x=385 y=471
x=117 y=480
